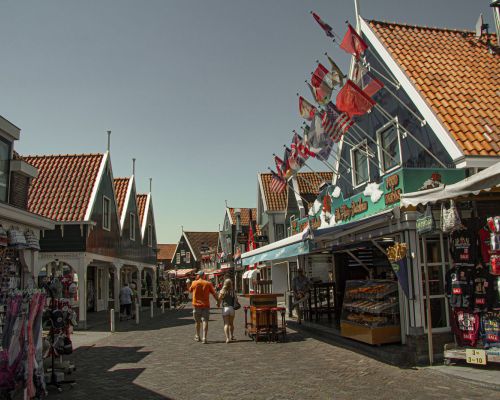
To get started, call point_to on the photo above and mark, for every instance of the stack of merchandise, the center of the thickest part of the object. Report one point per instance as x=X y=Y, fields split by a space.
x=473 y=285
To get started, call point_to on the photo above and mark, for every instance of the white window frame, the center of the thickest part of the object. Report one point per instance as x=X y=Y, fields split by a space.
x=132 y=226
x=366 y=151
x=381 y=153
x=150 y=235
x=178 y=258
x=106 y=222
x=188 y=257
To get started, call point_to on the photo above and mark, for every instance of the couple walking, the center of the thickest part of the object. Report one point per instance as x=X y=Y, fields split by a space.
x=201 y=290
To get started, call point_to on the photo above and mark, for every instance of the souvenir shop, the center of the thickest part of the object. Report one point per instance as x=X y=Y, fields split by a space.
x=22 y=306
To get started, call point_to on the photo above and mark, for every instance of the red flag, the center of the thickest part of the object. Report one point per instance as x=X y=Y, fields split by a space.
x=306 y=109
x=353 y=43
x=251 y=240
x=327 y=28
x=321 y=94
x=353 y=101
x=319 y=75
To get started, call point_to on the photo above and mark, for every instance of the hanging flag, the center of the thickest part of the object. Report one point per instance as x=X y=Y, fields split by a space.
x=335 y=122
x=278 y=184
x=317 y=137
x=366 y=81
x=397 y=256
x=301 y=145
x=353 y=101
x=353 y=43
x=306 y=109
x=320 y=76
x=326 y=150
x=286 y=171
x=321 y=94
x=279 y=165
x=327 y=28
x=296 y=161
x=336 y=74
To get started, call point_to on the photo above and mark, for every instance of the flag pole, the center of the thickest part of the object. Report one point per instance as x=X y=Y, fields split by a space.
x=291 y=187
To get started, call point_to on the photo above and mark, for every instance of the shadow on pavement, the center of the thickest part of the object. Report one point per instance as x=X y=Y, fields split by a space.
x=104 y=377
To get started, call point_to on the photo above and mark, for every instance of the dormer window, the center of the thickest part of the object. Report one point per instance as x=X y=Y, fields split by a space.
x=106 y=213
x=132 y=226
x=4 y=169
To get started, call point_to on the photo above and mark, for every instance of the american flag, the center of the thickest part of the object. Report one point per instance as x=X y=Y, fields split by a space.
x=335 y=123
x=278 y=184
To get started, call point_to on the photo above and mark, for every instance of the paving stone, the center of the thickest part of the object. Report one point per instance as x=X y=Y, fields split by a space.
x=160 y=360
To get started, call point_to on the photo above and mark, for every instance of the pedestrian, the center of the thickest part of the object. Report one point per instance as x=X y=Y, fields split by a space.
x=300 y=287
x=126 y=295
x=227 y=298
x=201 y=289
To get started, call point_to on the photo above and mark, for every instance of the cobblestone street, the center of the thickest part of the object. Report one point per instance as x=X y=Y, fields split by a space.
x=160 y=360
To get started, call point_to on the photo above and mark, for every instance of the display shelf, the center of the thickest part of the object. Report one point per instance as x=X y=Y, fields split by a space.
x=370 y=312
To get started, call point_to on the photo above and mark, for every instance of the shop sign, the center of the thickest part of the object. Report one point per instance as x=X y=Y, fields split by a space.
x=300 y=225
x=394 y=195
x=242 y=238
x=475 y=356
x=344 y=212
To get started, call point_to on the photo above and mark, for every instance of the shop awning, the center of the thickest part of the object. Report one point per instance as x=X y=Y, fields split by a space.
x=292 y=246
x=483 y=181
x=180 y=273
x=245 y=274
x=250 y=274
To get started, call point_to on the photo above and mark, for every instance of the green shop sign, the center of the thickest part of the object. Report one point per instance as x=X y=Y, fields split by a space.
x=376 y=197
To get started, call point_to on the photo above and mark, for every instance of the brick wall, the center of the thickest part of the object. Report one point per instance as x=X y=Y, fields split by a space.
x=19 y=186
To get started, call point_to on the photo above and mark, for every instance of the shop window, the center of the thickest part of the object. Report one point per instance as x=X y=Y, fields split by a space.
x=150 y=235
x=106 y=214
x=389 y=140
x=188 y=257
x=4 y=169
x=280 y=231
x=132 y=226
x=359 y=162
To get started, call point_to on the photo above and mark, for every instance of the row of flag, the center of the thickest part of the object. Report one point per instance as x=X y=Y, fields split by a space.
x=328 y=121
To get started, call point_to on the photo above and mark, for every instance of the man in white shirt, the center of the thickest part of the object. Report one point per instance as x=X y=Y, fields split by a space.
x=126 y=301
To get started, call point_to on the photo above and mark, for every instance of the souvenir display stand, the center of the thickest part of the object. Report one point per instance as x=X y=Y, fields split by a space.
x=266 y=318
x=473 y=291
x=370 y=312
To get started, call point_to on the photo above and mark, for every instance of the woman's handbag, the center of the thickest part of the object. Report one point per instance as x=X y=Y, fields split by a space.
x=425 y=222
x=236 y=303
x=450 y=219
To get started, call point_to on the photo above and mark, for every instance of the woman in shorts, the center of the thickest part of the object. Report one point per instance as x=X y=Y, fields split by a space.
x=226 y=298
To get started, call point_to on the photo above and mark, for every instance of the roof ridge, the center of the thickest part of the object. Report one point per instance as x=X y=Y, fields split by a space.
x=432 y=28
x=62 y=155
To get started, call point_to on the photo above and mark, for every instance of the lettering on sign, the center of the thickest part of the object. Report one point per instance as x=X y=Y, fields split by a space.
x=394 y=194
x=475 y=356
x=345 y=212
x=299 y=226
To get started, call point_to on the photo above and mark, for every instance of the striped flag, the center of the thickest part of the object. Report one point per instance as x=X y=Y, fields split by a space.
x=335 y=123
x=278 y=184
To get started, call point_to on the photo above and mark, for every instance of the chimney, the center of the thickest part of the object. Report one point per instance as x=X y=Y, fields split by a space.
x=495 y=5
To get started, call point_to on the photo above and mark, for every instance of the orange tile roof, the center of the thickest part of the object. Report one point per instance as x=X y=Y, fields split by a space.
x=166 y=251
x=64 y=185
x=246 y=215
x=121 y=186
x=457 y=76
x=308 y=182
x=141 y=206
x=199 y=239
x=274 y=201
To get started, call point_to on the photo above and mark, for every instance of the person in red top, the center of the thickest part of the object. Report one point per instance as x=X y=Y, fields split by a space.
x=202 y=289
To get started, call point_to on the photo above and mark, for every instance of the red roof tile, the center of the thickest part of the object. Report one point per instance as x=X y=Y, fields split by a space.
x=121 y=186
x=246 y=215
x=457 y=76
x=197 y=240
x=166 y=251
x=308 y=182
x=141 y=206
x=64 y=185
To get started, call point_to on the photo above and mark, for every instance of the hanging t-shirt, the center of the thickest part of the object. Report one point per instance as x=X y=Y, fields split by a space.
x=482 y=289
x=490 y=323
x=484 y=244
x=466 y=327
x=459 y=287
x=463 y=246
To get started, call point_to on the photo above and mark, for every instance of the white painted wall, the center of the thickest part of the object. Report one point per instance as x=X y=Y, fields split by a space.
x=279 y=275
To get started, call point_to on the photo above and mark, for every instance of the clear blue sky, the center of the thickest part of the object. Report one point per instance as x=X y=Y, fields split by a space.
x=200 y=92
